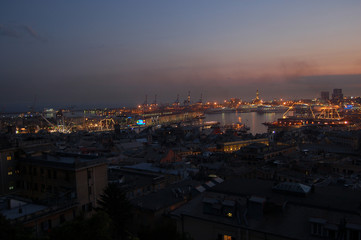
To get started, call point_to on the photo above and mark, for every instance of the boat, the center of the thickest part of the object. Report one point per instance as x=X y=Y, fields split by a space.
x=237 y=128
x=200 y=116
x=271 y=109
x=220 y=110
x=304 y=116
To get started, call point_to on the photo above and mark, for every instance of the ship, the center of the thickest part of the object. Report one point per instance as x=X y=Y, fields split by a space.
x=326 y=116
x=271 y=109
x=200 y=116
x=220 y=110
x=236 y=128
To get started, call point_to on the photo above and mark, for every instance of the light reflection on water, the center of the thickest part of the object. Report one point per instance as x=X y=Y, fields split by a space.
x=253 y=120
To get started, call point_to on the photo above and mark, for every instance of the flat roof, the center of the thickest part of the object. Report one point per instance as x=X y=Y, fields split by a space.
x=26 y=209
x=68 y=161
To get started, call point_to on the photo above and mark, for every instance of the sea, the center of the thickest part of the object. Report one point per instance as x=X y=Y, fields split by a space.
x=253 y=120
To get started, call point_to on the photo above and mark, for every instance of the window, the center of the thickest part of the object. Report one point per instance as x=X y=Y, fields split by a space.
x=225 y=237
x=49 y=173
x=89 y=174
x=54 y=174
x=11 y=187
x=62 y=218
x=90 y=207
x=317 y=229
x=8 y=158
x=45 y=225
x=354 y=234
x=89 y=190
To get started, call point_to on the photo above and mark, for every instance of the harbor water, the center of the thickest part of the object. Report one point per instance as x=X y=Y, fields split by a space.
x=253 y=120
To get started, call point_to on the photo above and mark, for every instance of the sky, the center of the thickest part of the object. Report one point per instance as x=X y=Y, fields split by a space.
x=88 y=53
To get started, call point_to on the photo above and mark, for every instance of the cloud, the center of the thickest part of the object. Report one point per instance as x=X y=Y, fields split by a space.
x=20 y=31
x=8 y=32
x=292 y=70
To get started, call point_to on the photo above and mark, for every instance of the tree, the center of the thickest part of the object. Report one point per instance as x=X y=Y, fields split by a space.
x=162 y=230
x=114 y=202
x=13 y=231
x=96 y=227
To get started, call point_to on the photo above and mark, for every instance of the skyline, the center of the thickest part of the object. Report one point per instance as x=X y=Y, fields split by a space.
x=91 y=53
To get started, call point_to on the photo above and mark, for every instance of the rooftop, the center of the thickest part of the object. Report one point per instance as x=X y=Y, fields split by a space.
x=67 y=161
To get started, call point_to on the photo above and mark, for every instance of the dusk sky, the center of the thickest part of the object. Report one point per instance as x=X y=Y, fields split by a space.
x=113 y=53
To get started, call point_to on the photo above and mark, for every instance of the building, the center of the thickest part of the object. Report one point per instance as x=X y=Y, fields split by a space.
x=337 y=95
x=230 y=147
x=42 y=191
x=257 y=100
x=10 y=150
x=7 y=171
x=38 y=217
x=325 y=96
x=240 y=209
x=261 y=151
x=63 y=178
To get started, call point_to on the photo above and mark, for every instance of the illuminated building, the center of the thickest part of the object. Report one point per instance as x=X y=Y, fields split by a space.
x=7 y=171
x=257 y=100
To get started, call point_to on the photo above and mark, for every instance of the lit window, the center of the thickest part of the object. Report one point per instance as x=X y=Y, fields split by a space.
x=229 y=214
x=10 y=173
x=227 y=237
x=11 y=188
x=8 y=158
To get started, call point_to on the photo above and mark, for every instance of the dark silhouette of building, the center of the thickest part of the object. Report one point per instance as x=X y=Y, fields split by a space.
x=337 y=95
x=325 y=96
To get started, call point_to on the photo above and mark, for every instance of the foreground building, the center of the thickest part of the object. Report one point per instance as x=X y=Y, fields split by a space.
x=64 y=178
x=53 y=188
x=256 y=209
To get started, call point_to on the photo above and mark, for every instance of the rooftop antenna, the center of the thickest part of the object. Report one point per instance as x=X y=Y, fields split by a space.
x=146 y=100
x=32 y=108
